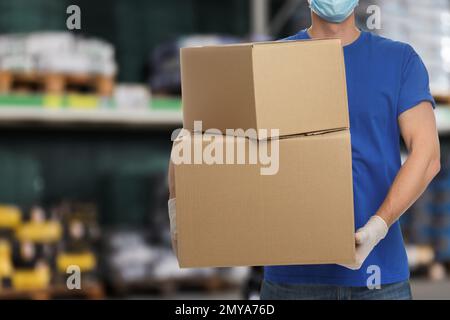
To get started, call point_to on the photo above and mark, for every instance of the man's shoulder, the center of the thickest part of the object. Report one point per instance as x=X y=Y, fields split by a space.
x=382 y=44
x=389 y=45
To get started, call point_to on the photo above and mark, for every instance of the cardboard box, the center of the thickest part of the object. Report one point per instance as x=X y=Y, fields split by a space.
x=296 y=86
x=232 y=215
x=289 y=202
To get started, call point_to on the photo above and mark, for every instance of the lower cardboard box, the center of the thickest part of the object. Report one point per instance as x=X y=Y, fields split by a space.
x=292 y=206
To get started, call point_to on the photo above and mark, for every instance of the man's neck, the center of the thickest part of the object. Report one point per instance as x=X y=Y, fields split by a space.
x=346 y=31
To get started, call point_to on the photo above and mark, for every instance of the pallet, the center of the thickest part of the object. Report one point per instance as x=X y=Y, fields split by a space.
x=169 y=287
x=442 y=98
x=55 y=83
x=91 y=291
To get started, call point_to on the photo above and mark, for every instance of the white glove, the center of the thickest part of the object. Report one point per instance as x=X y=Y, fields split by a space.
x=172 y=204
x=367 y=238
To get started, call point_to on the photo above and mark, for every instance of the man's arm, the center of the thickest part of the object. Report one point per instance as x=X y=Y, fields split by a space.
x=418 y=128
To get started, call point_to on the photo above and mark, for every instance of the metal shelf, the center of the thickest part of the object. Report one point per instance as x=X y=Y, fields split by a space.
x=40 y=116
x=10 y=116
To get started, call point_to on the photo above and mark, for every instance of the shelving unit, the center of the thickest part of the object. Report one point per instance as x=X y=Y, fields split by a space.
x=443 y=119
x=42 y=111
x=38 y=116
x=47 y=117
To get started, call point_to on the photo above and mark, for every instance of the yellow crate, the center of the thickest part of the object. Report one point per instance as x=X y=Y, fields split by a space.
x=10 y=216
x=85 y=261
x=31 y=279
x=41 y=232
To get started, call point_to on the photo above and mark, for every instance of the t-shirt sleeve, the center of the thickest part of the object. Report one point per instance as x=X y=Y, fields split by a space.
x=415 y=83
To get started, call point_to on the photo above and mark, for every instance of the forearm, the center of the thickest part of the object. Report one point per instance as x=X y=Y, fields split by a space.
x=412 y=180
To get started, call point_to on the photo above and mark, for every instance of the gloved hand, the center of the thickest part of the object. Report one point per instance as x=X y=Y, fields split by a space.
x=367 y=238
x=172 y=204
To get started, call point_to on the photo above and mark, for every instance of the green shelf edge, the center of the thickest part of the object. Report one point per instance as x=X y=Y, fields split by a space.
x=37 y=101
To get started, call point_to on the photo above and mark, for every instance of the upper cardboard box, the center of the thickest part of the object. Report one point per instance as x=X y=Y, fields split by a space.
x=296 y=86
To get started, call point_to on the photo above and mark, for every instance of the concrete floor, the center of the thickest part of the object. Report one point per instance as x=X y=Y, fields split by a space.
x=429 y=290
x=422 y=290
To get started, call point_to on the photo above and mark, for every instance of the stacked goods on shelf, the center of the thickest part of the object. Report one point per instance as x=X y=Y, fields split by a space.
x=142 y=259
x=439 y=228
x=56 y=62
x=5 y=264
x=134 y=263
x=132 y=97
x=34 y=251
x=426 y=26
x=427 y=224
x=81 y=232
x=10 y=218
x=37 y=249
x=415 y=224
x=129 y=259
x=165 y=61
x=67 y=71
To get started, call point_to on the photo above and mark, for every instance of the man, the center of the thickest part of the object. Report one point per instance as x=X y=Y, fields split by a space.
x=389 y=96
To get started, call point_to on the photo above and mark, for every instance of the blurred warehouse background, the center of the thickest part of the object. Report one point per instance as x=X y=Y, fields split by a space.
x=86 y=118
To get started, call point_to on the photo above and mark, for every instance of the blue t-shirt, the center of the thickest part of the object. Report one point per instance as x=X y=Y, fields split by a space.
x=384 y=79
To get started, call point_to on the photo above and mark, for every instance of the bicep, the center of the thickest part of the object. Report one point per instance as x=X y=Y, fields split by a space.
x=418 y=127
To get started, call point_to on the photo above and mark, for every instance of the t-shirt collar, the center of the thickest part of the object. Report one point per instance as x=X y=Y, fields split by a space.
x=354 y=44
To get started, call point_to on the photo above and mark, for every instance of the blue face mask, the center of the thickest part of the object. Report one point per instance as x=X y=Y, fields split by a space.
x=335 y=11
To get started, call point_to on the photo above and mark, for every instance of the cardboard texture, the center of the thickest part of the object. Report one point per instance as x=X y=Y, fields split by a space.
x=231 y=214
x=295 y=86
